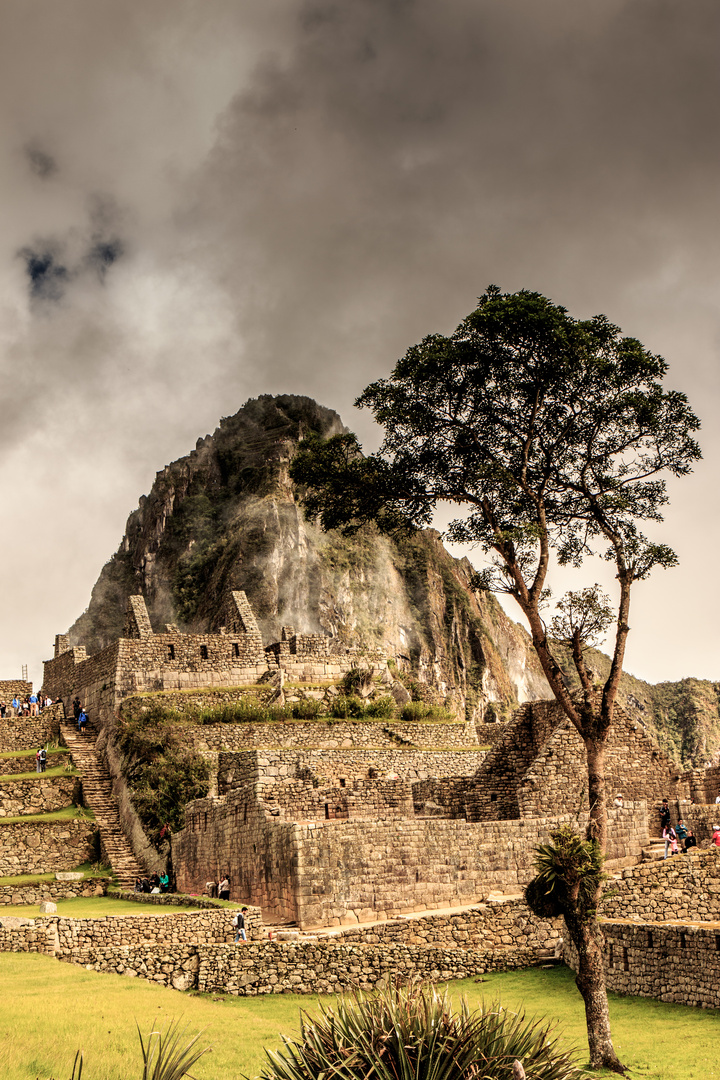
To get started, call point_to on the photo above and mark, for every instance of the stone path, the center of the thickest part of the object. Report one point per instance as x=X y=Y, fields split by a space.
x=98 y=795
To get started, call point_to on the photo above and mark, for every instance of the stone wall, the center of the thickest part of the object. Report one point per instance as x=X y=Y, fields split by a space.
x=490 y=926
x=340 y=872
x=668 y=963
x=680 y=887
x=634 y=766
x=24 y=935
x=9 y=688
x=307 y=967
x=38 y=796
x=338 y=764
x=19 y=733
x=52 y=890
x=169 y=929
x=331 y=734
x=41 y=847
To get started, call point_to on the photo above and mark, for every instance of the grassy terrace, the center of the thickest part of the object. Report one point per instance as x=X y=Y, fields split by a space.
x=68 y=813
x=31 y=753
x=48 y=1010
x=89 y=869
x=60 y=770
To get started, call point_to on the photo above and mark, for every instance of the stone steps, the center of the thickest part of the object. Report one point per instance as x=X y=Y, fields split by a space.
x=98 y=795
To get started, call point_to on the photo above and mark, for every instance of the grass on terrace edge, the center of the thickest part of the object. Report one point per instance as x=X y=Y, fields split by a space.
x=68 y=813
x=31 y=753
x=48 y=1010
x=10 y=778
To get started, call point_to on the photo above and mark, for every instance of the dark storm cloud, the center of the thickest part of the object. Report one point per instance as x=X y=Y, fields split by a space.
x=47 y=276
x=41 y=163
x=409 y=153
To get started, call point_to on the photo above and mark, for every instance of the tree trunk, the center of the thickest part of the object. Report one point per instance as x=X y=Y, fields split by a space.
x=595 y=754
x=590 y=981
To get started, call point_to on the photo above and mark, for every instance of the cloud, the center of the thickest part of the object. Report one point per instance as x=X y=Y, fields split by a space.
x=293 y=193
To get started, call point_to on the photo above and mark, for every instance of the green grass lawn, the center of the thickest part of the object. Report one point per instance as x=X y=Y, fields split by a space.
x=49 y=1009
x=95 y=907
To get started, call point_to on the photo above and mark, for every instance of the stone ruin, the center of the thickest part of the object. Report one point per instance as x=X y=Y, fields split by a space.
x=349 y=827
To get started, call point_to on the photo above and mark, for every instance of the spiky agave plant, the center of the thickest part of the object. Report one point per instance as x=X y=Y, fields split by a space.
x=414 y=1033
x=166 y=1057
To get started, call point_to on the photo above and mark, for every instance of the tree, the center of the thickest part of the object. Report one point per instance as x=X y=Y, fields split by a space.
x=553 y=436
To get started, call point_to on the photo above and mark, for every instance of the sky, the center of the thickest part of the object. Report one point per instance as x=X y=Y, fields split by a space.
x=205 y=200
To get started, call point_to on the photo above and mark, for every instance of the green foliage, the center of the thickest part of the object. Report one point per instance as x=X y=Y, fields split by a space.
x=569 y=874
x=163 y=774
x=420 y=710
x=356 y=680
x=414 y=1033
x=165 y=1057
x=348 y=707
x=383 y=708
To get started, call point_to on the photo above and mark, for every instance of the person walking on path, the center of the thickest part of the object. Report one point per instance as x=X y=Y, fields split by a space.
x=43 y=759
x=239 y=924
x=38 y=765
x=82 y=721
x=664 y=815
x=670 y=838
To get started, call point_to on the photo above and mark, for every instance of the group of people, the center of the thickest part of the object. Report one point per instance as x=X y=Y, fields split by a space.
x=158 y=883
x=678 y=839
x=30 y=705
x=41 y=759
x=81 y=717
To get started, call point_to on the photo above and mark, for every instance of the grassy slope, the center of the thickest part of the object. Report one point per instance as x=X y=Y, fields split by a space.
x=49 y=1009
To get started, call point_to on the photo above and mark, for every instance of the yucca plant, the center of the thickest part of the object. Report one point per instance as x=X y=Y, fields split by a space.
x=414 y=1033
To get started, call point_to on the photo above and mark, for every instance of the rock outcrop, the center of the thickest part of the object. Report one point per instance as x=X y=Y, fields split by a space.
x=227 y=516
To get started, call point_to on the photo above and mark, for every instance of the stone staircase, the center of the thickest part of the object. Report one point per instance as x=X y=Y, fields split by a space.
x=98 y=795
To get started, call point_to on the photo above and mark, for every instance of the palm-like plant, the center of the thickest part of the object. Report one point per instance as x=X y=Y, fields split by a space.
x=413 y=1033
x=569 y=872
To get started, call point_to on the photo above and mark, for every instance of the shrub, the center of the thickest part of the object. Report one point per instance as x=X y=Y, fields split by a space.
x=414 y=1032
x=356 y=680
x=307 y=710
x=420 y=710
x=382 y=708
x=346 y=707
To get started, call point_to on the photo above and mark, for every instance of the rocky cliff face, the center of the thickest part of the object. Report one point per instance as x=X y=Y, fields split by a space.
x=226 y=516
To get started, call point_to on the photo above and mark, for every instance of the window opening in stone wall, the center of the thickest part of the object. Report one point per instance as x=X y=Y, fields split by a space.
x=171 y=652
x=611 y=958
x=626 y=962
x=650 y=939
x=245 y=814
x=203 y=652
x=493 y=797
x=683 y=940
x=236 y=650
x=327 y=811
x=342 y=781
x=717 y=942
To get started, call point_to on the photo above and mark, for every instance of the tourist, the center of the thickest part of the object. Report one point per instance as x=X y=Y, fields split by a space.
x=690 y=841
x=43 y=759
x=224 y=889
x=33 y=705
x=670 y=838
x=15 y=706
x=164 y=882
x=681 y=834
x=239 y=924
x=82 y=721
x=619 y=801
x=77 y=707
x=717 y=799
x=664 y=815
x=3 y=707
x=38 y=767
x=139 y=885
x=716 y=836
